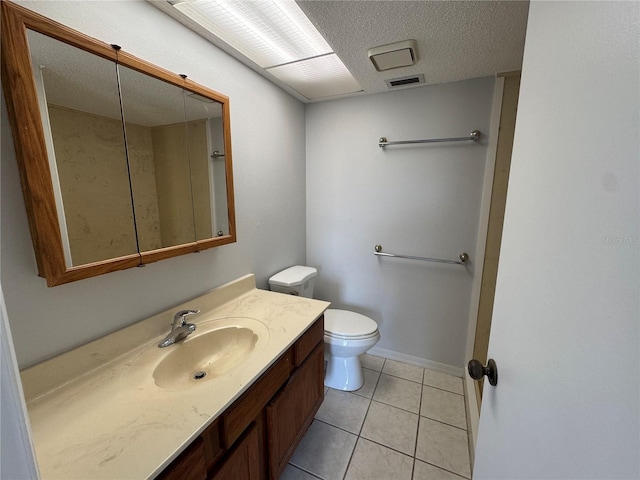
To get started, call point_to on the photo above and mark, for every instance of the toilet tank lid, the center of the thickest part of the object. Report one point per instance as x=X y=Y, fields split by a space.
x=292 y=276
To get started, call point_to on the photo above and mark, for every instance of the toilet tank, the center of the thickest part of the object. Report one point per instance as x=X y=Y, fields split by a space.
x=298 y=280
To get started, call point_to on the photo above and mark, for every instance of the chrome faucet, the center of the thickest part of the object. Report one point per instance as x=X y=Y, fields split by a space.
x=180 y=329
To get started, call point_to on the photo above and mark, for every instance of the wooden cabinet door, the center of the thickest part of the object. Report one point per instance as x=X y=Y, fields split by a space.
x=243 y=462
x=189 y=465
x=291 y=411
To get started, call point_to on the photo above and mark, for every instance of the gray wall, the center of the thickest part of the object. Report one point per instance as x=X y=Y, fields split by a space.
x=419 y=200
x=267 y=127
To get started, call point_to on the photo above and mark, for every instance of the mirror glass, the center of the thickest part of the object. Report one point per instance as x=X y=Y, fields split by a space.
x=208 y=172
x=80 y=110
x=174 y=148
x=159 y=152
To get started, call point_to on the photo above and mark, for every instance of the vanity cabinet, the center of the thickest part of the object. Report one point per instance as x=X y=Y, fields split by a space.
x=189 y=465
x=244 y=462
x=257 y=435
x=288 y=413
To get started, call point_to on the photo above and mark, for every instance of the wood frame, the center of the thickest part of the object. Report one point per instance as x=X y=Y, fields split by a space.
x=29 y=141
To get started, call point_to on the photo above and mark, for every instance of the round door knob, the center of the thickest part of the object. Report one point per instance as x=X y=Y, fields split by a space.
x=477 y=370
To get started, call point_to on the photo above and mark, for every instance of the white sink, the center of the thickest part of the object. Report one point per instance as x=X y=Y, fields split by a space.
x=216 y=347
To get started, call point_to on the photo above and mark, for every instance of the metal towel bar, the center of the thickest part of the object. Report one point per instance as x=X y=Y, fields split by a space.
x=473 y=137
x=463 y=257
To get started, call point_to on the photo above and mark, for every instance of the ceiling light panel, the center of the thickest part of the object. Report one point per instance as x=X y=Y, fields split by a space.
x=270 y=33
x=318 y=77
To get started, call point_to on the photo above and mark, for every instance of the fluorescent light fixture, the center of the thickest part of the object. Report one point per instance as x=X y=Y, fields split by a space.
x=318 y=77
x=275 y=35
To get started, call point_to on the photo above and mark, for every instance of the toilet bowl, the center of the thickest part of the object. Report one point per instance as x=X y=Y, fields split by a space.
x=347 y=335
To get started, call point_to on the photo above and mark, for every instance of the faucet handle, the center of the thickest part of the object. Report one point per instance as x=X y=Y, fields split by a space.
x=182 y=315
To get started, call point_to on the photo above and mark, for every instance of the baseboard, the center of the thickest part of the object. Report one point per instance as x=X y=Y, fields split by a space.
x=419 y=361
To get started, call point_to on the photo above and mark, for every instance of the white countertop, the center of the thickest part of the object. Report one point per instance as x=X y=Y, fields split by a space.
x=96 y=412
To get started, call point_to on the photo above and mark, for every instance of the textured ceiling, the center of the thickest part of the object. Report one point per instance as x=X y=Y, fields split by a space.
x=456 y=39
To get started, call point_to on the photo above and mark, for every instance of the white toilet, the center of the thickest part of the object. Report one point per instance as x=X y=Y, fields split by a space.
x=347 y=335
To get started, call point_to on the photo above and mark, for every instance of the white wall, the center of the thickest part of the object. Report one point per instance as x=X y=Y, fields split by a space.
x=419 y=200
x=565 y=330
x=17 y=460
x=267 y=127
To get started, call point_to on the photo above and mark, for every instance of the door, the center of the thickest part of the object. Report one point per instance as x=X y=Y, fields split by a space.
x=565 y=331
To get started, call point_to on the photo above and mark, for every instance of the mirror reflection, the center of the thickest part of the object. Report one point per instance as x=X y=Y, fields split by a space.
x=80 y=109
x=159 y=156
x=208 y=174
x=159 y=170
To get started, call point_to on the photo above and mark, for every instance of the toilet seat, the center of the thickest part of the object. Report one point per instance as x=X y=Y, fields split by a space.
x=343 y=324
x=329 y=335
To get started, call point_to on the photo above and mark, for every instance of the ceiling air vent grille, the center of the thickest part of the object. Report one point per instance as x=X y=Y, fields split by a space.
x=402 y=81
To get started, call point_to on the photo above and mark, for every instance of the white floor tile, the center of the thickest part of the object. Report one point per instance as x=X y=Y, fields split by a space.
x=403 y=370
x=398 y=392
x=371 y=362
x=424 y=471
x=400 y=409
x=444 y=446
x=294 y=473
x=325 y=451
x=391 y=427
x=443 y=381
x=374 y=462
x=443 y=406
x=344 y=410
x=370 y=381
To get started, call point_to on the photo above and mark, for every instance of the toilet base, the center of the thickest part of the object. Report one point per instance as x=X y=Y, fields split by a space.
x=343 y=373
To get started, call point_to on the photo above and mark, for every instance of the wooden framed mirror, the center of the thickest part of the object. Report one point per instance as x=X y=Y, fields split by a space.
x=122 y=163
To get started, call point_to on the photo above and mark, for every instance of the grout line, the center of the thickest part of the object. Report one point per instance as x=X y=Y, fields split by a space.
x=335 y=426
x=443 y=389
x=369 y=406
x=441 y=468
x=443 y=423
x=402 y=378
x=415 y=445
x=305 y=471
x=399 y=408
x=355 y=392
x=351 y=457
x=386 y=446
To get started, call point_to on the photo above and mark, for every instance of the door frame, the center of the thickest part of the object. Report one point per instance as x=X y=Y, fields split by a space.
x=471 y=398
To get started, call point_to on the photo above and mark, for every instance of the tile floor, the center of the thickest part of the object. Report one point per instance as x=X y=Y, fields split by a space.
x=405 y=423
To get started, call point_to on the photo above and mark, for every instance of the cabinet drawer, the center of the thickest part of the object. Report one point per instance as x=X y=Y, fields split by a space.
x=247 y=407
x=308 y=341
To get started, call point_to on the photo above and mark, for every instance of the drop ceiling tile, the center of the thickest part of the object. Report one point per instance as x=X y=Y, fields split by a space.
x=318 y=77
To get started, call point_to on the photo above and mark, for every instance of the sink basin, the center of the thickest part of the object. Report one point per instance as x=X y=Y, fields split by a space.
x=216 y=347
x=205 y=357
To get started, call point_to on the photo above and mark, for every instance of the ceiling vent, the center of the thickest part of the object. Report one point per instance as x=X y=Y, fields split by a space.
x=395 y=55
x=402 y=81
